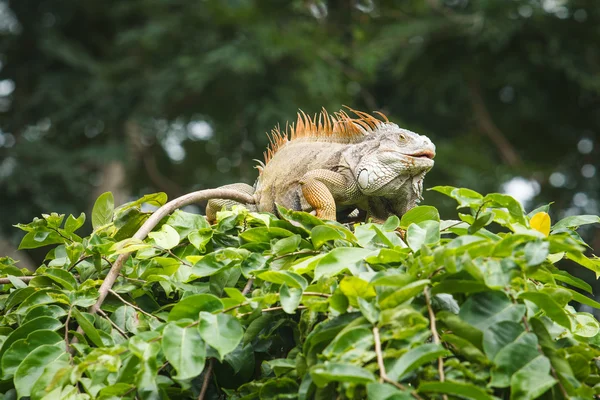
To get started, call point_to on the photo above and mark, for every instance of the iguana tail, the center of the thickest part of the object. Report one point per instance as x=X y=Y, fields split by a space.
x=216 y=205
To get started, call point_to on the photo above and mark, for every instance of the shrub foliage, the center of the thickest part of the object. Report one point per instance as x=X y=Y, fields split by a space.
x=259 y=307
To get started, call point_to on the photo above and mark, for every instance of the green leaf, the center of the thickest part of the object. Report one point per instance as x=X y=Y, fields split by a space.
x=368 y=310
x=426 y=232
x=465 y=197
x=290 y=298
x=459 y=286
x=536 y=252
x=592 y=264
x=586 y=325
x=102 y=213
x=88 y=327
x=166 y=238
x=322 y=374
x=565 y=277
x=584 y=299
x=321 y=234
x=62 y=277
x=515 y=209
x=513 y=357
x=531 y=381
x=40 y=238
x=413 y=359
x=13 y=357
x=24 y=330
x=191 y=306
x=419 y=214
x=499 y=335
x=279 y=389
x=73 y=223
x=32 y=366
x=185 y=350
x=185 y=223
x=576 y=221
x=286 y=245
x=385 y=391
x=290 y=278
x=350 y=344
x=404 y=294
x=354 y=287
x=463 y=390
x=550 y=307
x=222 y=332
x=484 y=309
x=483 y=220
x=339 y=259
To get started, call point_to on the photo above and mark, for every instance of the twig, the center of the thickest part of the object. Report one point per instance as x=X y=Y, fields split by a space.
x=154 y=219
x=296 y=253
x=207 y=376
x=248 y=286
x=272 y=309
x=4 y=281
x=68 y=346
x=382 y=373
x=313 y=294
x=131 y=305
x=179 y=259
x=124 y=334
x=436 y=336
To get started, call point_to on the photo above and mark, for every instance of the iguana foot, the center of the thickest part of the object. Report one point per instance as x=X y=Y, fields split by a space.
x=216 y=205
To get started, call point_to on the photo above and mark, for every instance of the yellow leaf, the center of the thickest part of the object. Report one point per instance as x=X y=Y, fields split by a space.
x=541 y=223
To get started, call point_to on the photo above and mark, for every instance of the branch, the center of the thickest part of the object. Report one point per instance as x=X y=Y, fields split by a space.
x=486 y=125
x=4 y=281
x=206 y=380
x=436 y=336
x=132 y=305
x=158 y=215
x=382 y=373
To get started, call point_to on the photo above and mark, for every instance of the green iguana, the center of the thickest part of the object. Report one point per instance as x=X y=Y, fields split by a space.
x=334 y=164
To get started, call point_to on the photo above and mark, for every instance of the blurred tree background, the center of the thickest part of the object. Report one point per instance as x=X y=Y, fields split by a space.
x=140 y=96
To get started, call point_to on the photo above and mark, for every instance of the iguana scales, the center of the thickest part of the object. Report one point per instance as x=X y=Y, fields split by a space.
x=333 y=164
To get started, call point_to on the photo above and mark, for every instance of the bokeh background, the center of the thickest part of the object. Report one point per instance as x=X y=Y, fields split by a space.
x=140 y=96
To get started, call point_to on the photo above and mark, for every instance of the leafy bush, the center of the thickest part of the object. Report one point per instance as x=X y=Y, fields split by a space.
x=257 y=307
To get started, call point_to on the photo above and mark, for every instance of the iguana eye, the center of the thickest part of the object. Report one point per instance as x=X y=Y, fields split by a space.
x=402 y=136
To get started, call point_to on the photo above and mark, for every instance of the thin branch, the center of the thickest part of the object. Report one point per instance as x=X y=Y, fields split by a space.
x=156 y=217
x=207 y=376
x=248 y=286
x=4 y=281
x=272 y=309
x=131 y=305
x=313 y=294
x=124 y=334
x=67 y=345
x=436 y=336
x=486 y=125
x=296 y=253
x=382 y=373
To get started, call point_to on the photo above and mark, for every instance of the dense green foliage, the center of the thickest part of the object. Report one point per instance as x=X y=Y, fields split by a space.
x=102 y=80
x=258 y=307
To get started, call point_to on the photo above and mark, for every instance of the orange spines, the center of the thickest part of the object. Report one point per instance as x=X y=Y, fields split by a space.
x=339 y=128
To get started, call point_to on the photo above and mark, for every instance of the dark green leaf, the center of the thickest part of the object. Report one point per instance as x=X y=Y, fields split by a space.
x=185 y=350
x=222 y=332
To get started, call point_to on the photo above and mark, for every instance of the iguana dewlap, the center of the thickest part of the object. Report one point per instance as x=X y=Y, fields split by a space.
x=333 y=164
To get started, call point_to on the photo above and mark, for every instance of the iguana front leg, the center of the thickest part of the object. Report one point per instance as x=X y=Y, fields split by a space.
x=321 y=187
x=216 y=205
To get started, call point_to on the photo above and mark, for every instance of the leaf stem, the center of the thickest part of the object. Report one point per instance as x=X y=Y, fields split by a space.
x=132 y=305
x=4 y=281
x=436 y=336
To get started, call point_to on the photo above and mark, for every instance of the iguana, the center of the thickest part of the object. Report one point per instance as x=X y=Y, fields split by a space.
x=330 y=165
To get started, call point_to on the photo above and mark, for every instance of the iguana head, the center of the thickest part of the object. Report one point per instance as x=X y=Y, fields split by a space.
x=395 y=162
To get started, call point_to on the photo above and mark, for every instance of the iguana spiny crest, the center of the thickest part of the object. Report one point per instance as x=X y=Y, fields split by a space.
x=332 y=164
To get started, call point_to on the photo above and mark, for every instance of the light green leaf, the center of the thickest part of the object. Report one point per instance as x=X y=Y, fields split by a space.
x=73 y=223
x=191 y=306
x=290 y=298
x=166 y=238
x=321 y=234
x=322 y=374
x=339 y=259
x=222 y=332
x=102 y=213
x=286 y=245
x=32 y=366
x=22 y=347
x=403 y=294
x=419 y=214
x=185 y=350
x=290 y=278
x=413 y=359
x=536 y=252
x=576 y=221
x=426 y=232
